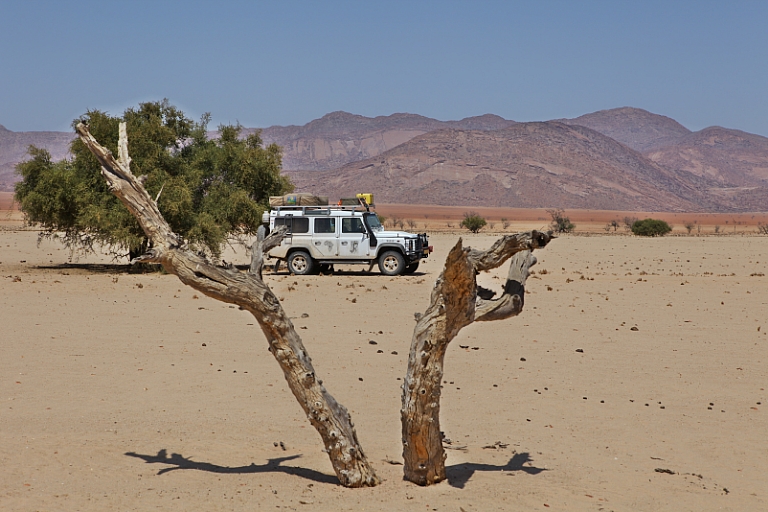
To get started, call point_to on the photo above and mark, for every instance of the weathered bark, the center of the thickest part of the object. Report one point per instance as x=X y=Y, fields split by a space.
x=248 y=291
x=455 y=303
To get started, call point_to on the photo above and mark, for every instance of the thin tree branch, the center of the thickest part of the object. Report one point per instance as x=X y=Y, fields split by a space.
x=248 y=291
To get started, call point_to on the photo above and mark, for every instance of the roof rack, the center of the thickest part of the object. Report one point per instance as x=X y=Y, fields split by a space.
x=344 y=205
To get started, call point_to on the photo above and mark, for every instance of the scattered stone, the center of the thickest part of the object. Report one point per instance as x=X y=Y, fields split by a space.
x=394 y=352
x=665 y=471
x=634 y=328
x=372 y=342
x=580 y=350
x=305 y=315
x=522 y=359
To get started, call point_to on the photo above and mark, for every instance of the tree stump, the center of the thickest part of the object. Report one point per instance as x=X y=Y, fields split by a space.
x=456 y=302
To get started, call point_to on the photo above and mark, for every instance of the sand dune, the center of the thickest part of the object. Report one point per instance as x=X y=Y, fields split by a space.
x=634 y=380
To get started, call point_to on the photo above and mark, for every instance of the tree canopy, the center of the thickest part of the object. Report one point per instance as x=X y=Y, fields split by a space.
x=209 y=190
x=650 y=227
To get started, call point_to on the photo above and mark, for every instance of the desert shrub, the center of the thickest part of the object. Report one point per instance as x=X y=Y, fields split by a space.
x=560 y=223
x=628 y=221
x=689 y=226
x=473 y=222
x=650 y=227
x=504 y=222
x=762 y=228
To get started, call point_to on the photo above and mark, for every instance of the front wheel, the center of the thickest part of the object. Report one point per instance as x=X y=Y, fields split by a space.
x=391 y=263
x=300 y=263
x=410 y=269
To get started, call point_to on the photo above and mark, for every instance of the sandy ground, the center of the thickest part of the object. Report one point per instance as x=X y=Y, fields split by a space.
x=448 y=219
x=126 y=391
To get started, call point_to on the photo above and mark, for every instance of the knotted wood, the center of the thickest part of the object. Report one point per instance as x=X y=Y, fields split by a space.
x=247 y=290
x=456 y=302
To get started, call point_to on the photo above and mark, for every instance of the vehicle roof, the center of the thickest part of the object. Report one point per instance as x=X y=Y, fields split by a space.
x=317 y=211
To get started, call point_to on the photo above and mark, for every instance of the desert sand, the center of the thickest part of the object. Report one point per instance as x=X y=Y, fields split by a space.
x=633 y=380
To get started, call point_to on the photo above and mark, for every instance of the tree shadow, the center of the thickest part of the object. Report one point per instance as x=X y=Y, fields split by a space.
x=459 y=474
x=272 y=466
x=98 y=268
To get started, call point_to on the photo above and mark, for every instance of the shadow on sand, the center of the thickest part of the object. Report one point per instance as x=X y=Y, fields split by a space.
x=459 y=474
x=176 y=461
x=99 y=268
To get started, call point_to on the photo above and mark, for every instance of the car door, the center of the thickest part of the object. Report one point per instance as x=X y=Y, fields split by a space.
x=354 y=242
x=325 y=239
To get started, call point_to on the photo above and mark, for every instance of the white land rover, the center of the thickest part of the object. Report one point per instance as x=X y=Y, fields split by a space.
x=320 y=236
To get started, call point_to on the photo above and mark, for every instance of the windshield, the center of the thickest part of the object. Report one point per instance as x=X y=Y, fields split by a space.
x=373 y=222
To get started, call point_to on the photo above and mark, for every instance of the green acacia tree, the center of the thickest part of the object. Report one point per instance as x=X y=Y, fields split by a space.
x=209 y=190
x=473 y=222
x=650 y=227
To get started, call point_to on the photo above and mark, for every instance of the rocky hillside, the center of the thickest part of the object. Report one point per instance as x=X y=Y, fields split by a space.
x=730 y=157
x=547 y=164
x=624 y=158
x=339 y=138
x=634 y=127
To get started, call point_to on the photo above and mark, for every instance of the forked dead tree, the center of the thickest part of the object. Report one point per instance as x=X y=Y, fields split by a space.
x=248 y=291
x=456 y=302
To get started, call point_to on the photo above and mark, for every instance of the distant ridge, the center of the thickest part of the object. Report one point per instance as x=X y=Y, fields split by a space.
x=623 y=158
x=527 y=165
x=339 y=137
x=730 y=157
x=634 y=127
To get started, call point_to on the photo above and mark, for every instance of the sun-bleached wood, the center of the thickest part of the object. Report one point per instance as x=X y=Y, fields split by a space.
x=247 y=290
x=456 y=302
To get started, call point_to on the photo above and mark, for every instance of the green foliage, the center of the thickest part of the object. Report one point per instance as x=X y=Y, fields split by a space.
x=560 y=223
x=650 y=227
x=473 y=222
x=207 y=190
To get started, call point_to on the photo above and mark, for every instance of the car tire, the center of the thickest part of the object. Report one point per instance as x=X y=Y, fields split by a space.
x=300 y=263
x=410 y=269
x=391 y=263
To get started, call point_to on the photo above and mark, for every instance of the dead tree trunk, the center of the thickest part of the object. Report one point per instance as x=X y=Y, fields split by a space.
x=456 y=302
x=248 y=291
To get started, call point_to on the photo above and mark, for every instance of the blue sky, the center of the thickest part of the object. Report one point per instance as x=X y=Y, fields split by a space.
x=287 y=62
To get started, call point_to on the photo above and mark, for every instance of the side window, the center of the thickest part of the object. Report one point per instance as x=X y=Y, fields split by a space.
x=300 y=225
x=352 y=225
x=325 y=225
x=295 y=224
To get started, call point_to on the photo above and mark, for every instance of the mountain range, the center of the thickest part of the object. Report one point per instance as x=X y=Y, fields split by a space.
x=618 y=159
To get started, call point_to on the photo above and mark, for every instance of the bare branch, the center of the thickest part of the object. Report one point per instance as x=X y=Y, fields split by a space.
x=263 y=245
x=511 y=301
x=455 y=303
x=248 y=291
